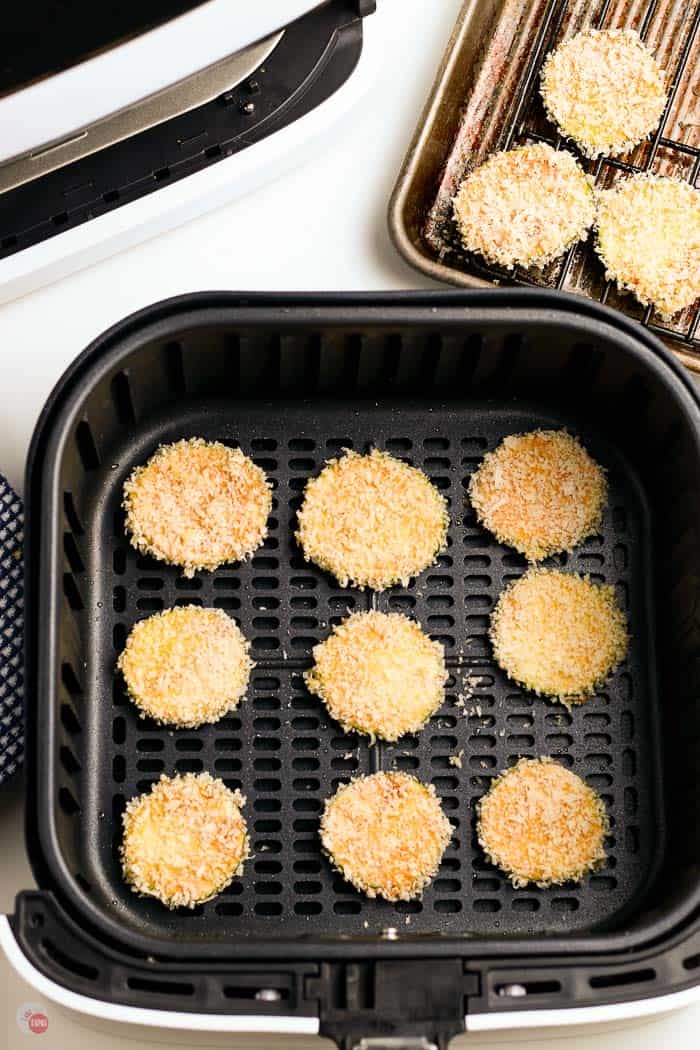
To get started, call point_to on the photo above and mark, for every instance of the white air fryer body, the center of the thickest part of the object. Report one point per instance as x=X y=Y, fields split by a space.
x=55 y=108
x=179 y=1027
x=77 y=97
x=222 y=28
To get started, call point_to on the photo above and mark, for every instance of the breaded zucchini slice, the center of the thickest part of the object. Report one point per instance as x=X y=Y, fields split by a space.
x=386 y=834
x=186 y=666
x=541 y=823
x=648 y=238
x=198 y=504
x=604 y=89
x=184 y=840
x=559 y=634
x=379 y=674
x=524 y=207
x=372 y=521
x=540 y=492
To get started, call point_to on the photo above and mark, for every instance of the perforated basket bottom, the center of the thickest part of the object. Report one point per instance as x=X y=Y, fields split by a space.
x=284 y=752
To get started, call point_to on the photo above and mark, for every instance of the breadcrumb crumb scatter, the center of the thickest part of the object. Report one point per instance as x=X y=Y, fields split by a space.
x=604 y=89
x=541 y=823
x=648 y=238
x=525 y=206
x=378 y=673
x=186 y=666
x=184 y=840
x=386 y=834
x=539 y=492
x=372 y=521
x=198 y=504
x=559 y=634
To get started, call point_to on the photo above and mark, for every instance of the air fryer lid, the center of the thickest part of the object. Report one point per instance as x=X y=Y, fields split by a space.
x=38 y=44
x=251 y=22
x=62 y=101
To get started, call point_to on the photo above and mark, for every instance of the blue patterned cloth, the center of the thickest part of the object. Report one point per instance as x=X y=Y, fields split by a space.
x=11 y=631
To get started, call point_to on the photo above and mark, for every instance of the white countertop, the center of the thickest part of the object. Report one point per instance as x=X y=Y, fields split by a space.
x=320 y=227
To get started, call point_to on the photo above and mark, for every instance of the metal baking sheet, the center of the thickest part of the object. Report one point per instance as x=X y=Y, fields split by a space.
x=486 y=98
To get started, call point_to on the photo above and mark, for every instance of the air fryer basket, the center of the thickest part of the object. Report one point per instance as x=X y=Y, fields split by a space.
x=437 y=379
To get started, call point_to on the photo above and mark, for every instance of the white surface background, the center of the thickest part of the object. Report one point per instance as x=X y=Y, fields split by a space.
x=321 y=227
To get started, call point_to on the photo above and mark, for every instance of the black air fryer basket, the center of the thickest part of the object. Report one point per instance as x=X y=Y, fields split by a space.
x=437 y=379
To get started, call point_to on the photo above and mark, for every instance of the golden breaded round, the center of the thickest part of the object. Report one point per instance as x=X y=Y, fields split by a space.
x=372 y=521
x=648 y=238
x=604 y=89
x=525 y=206
x=559 y=634
x=184 y=840
x=198 y=504
x=186 y=666
x=541 y=823
x=386 y=834
x=539 y=492
x=378 y=673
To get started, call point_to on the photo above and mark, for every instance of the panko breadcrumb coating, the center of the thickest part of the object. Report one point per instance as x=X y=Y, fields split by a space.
x=386 y=834
x=541 y=823
x=648 y=238
x=378 y=673
x=604 y=89
x=559 y=634
x=198 y=504
x=539 y=492
x=184 y=840
x=186 y=666
x=372 y=521
x=525 y=206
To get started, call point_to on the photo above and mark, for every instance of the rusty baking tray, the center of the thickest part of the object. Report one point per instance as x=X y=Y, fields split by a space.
x=486 y=98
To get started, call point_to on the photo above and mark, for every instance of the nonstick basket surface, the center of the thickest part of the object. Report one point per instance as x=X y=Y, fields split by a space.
x=440 y=396
x=284 y=752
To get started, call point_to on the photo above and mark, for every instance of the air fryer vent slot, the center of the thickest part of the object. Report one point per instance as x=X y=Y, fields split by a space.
x=160 y=987
x=68 y=962
x=619 y=980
